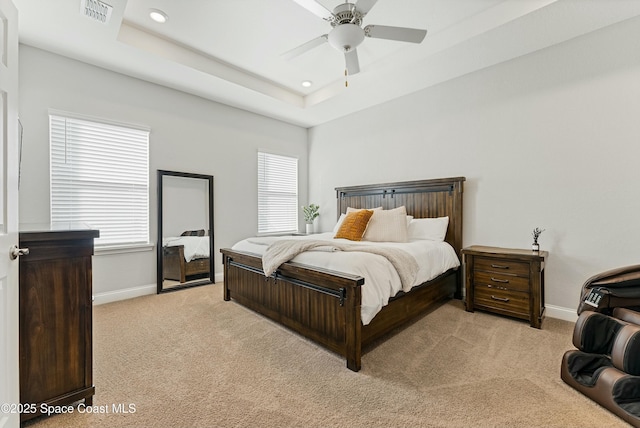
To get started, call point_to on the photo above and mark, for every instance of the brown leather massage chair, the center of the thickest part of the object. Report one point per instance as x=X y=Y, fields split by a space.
x=612 y=289
x=606 y=364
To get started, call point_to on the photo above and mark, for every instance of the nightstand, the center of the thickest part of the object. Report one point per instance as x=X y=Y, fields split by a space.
x=505 y=281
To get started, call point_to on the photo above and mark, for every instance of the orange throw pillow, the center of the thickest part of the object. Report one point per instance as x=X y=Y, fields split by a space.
x=354 y=225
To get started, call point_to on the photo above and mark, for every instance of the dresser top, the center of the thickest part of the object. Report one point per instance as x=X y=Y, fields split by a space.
x=47 y=231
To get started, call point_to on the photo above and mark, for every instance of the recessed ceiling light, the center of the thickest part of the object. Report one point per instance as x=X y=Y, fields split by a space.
x=158 y=16
x=307 y=83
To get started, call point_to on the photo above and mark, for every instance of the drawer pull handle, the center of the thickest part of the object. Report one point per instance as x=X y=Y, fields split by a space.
x=497 y=287
x=501 y=299
x=500 y=266
x=504 y=281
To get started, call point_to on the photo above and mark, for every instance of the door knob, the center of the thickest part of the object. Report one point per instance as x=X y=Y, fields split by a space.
x=16 y=252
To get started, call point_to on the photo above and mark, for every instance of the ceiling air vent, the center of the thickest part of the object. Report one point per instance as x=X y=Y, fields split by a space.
x=96 y=10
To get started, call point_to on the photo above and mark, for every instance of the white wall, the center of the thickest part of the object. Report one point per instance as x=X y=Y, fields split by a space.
x=549 y=140
x=188 y=134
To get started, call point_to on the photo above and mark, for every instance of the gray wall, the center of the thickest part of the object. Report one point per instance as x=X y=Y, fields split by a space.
x=548 y=140
x=188 y=134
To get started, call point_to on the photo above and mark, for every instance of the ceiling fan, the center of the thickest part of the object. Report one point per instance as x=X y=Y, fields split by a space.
x=347 y=32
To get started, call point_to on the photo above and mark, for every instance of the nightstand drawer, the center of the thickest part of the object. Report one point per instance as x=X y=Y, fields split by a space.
x=510 y=301
x=500 y=281
x=505 y=266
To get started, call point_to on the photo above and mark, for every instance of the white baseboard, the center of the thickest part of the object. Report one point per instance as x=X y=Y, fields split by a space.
x=561 y=313
x=127 y=293
x=130 y=293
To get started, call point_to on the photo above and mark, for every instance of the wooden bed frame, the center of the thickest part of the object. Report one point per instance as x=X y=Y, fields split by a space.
x=324 y=305
x=175 y=267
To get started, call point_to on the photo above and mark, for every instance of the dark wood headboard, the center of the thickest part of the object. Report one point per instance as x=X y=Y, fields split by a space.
x=438 y=197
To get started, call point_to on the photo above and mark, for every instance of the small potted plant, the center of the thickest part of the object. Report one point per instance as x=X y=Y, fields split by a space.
x=536 y=234
x=311 y=212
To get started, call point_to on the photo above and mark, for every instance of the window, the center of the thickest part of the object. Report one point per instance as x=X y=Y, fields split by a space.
x=100 y=177
x=277 y=193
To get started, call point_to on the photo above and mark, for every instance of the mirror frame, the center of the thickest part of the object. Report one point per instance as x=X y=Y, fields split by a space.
x=160 y=263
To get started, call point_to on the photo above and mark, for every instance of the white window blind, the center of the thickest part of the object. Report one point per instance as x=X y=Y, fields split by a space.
x=100 y=177
x=277 y=193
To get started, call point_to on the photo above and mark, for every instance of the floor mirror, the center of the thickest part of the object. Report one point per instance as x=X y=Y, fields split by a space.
x=185 y=230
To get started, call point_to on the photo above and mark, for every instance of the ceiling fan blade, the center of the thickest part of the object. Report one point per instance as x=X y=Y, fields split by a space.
x=364 y=6
x=316 y=8
x=305 y=47
x=401 y=34
x=351 y=59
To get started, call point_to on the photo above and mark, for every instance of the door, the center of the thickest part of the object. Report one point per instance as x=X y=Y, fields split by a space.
x=9 y=171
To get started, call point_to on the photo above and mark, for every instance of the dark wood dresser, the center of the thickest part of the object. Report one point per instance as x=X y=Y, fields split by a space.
x=56 y=351
x=505 y=281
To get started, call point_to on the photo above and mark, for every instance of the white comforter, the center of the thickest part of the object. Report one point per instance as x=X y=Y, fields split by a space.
x=381 y=279
x=195 y=247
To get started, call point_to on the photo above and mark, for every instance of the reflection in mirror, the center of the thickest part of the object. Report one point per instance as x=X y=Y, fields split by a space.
x=185 y=230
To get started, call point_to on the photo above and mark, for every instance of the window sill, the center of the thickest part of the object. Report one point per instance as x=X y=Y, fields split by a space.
x=123 y=248
x=283 y=233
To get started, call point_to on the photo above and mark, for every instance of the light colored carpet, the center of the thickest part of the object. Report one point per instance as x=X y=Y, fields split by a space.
x=190 y=359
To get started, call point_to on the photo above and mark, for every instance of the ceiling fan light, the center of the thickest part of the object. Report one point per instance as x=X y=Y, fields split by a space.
x=346 y=37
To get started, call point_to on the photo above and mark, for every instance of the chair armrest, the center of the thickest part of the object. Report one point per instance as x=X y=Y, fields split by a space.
x=627 y=315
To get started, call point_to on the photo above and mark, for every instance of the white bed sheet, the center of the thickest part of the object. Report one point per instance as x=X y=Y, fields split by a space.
x=195 y=247
x=381 y=279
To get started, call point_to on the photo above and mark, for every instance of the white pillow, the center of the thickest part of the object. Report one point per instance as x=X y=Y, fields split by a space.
x=434 y=229
x=387 y=226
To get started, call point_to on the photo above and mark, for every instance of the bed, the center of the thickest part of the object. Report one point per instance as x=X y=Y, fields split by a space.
x=326 y=305
x=185 y=258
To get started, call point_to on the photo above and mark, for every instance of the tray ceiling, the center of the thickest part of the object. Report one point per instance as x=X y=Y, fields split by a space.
x=230 y=51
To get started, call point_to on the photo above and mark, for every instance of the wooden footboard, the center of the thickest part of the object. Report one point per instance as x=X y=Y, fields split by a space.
x=321 y=305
